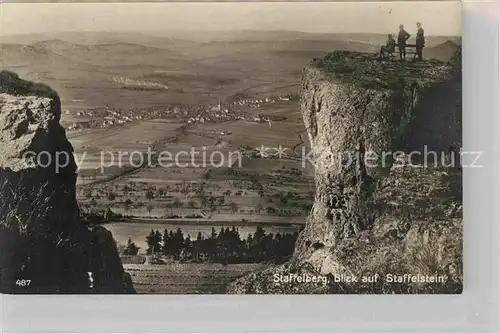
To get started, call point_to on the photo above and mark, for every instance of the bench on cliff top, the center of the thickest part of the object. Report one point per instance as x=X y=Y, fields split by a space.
x=411 y=49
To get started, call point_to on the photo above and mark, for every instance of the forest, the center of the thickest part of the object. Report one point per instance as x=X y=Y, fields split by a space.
x=224 y=247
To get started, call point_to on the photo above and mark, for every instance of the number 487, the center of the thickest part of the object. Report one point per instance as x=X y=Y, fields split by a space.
x=23 y=282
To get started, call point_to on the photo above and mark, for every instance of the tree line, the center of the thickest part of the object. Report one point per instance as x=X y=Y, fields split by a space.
x=225 y=247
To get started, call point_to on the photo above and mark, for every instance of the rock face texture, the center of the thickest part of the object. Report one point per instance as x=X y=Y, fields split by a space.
x=353 y=118
x=43 y=239
x=375 y=211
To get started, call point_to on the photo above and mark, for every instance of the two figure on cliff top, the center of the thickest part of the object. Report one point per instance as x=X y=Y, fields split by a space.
x=390 y=46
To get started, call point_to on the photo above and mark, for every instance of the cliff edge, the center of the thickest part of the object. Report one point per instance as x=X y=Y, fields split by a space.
x=384 y=203
x=46 y=248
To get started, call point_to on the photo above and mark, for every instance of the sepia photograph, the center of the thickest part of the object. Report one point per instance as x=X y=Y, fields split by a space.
x=231 y=148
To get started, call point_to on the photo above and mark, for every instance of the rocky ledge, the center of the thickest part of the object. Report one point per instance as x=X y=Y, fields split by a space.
x=374 y=215
x=46 y=248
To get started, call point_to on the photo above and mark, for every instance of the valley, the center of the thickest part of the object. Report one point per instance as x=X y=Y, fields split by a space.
x=226 y=115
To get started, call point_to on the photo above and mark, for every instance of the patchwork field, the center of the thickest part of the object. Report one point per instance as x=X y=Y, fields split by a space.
x=136 y=136
x=220 y=182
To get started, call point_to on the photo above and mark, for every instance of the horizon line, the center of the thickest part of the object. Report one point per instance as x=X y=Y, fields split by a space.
x=155 y=33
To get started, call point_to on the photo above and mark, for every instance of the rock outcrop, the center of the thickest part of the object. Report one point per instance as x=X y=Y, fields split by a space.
x=375 y=212
x=46 y=248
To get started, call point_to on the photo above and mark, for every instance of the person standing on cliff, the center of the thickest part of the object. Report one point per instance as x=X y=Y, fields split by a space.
x=420 y=43
x=402 y=38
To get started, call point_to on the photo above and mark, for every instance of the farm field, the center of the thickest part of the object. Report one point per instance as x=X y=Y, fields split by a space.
x=135 y=136
x=186 y=278
x=279 y=133
x=252 y=193
x=103 y=152
x=247 y=188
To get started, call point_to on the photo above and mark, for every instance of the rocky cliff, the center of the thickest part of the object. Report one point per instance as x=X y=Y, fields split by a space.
x=46 y=248
x=383 y=203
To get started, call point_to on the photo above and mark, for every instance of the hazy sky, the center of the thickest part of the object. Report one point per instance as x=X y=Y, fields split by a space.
x=438 y=18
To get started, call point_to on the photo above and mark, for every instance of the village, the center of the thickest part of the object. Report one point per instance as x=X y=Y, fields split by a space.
x=107 y=117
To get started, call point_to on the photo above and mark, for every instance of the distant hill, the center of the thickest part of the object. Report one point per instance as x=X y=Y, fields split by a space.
x=443 y=51
x=192 y=38
x=82 y=67
x=70 y=54
x=98 y=38
x=55 y=46
x=61 y=46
